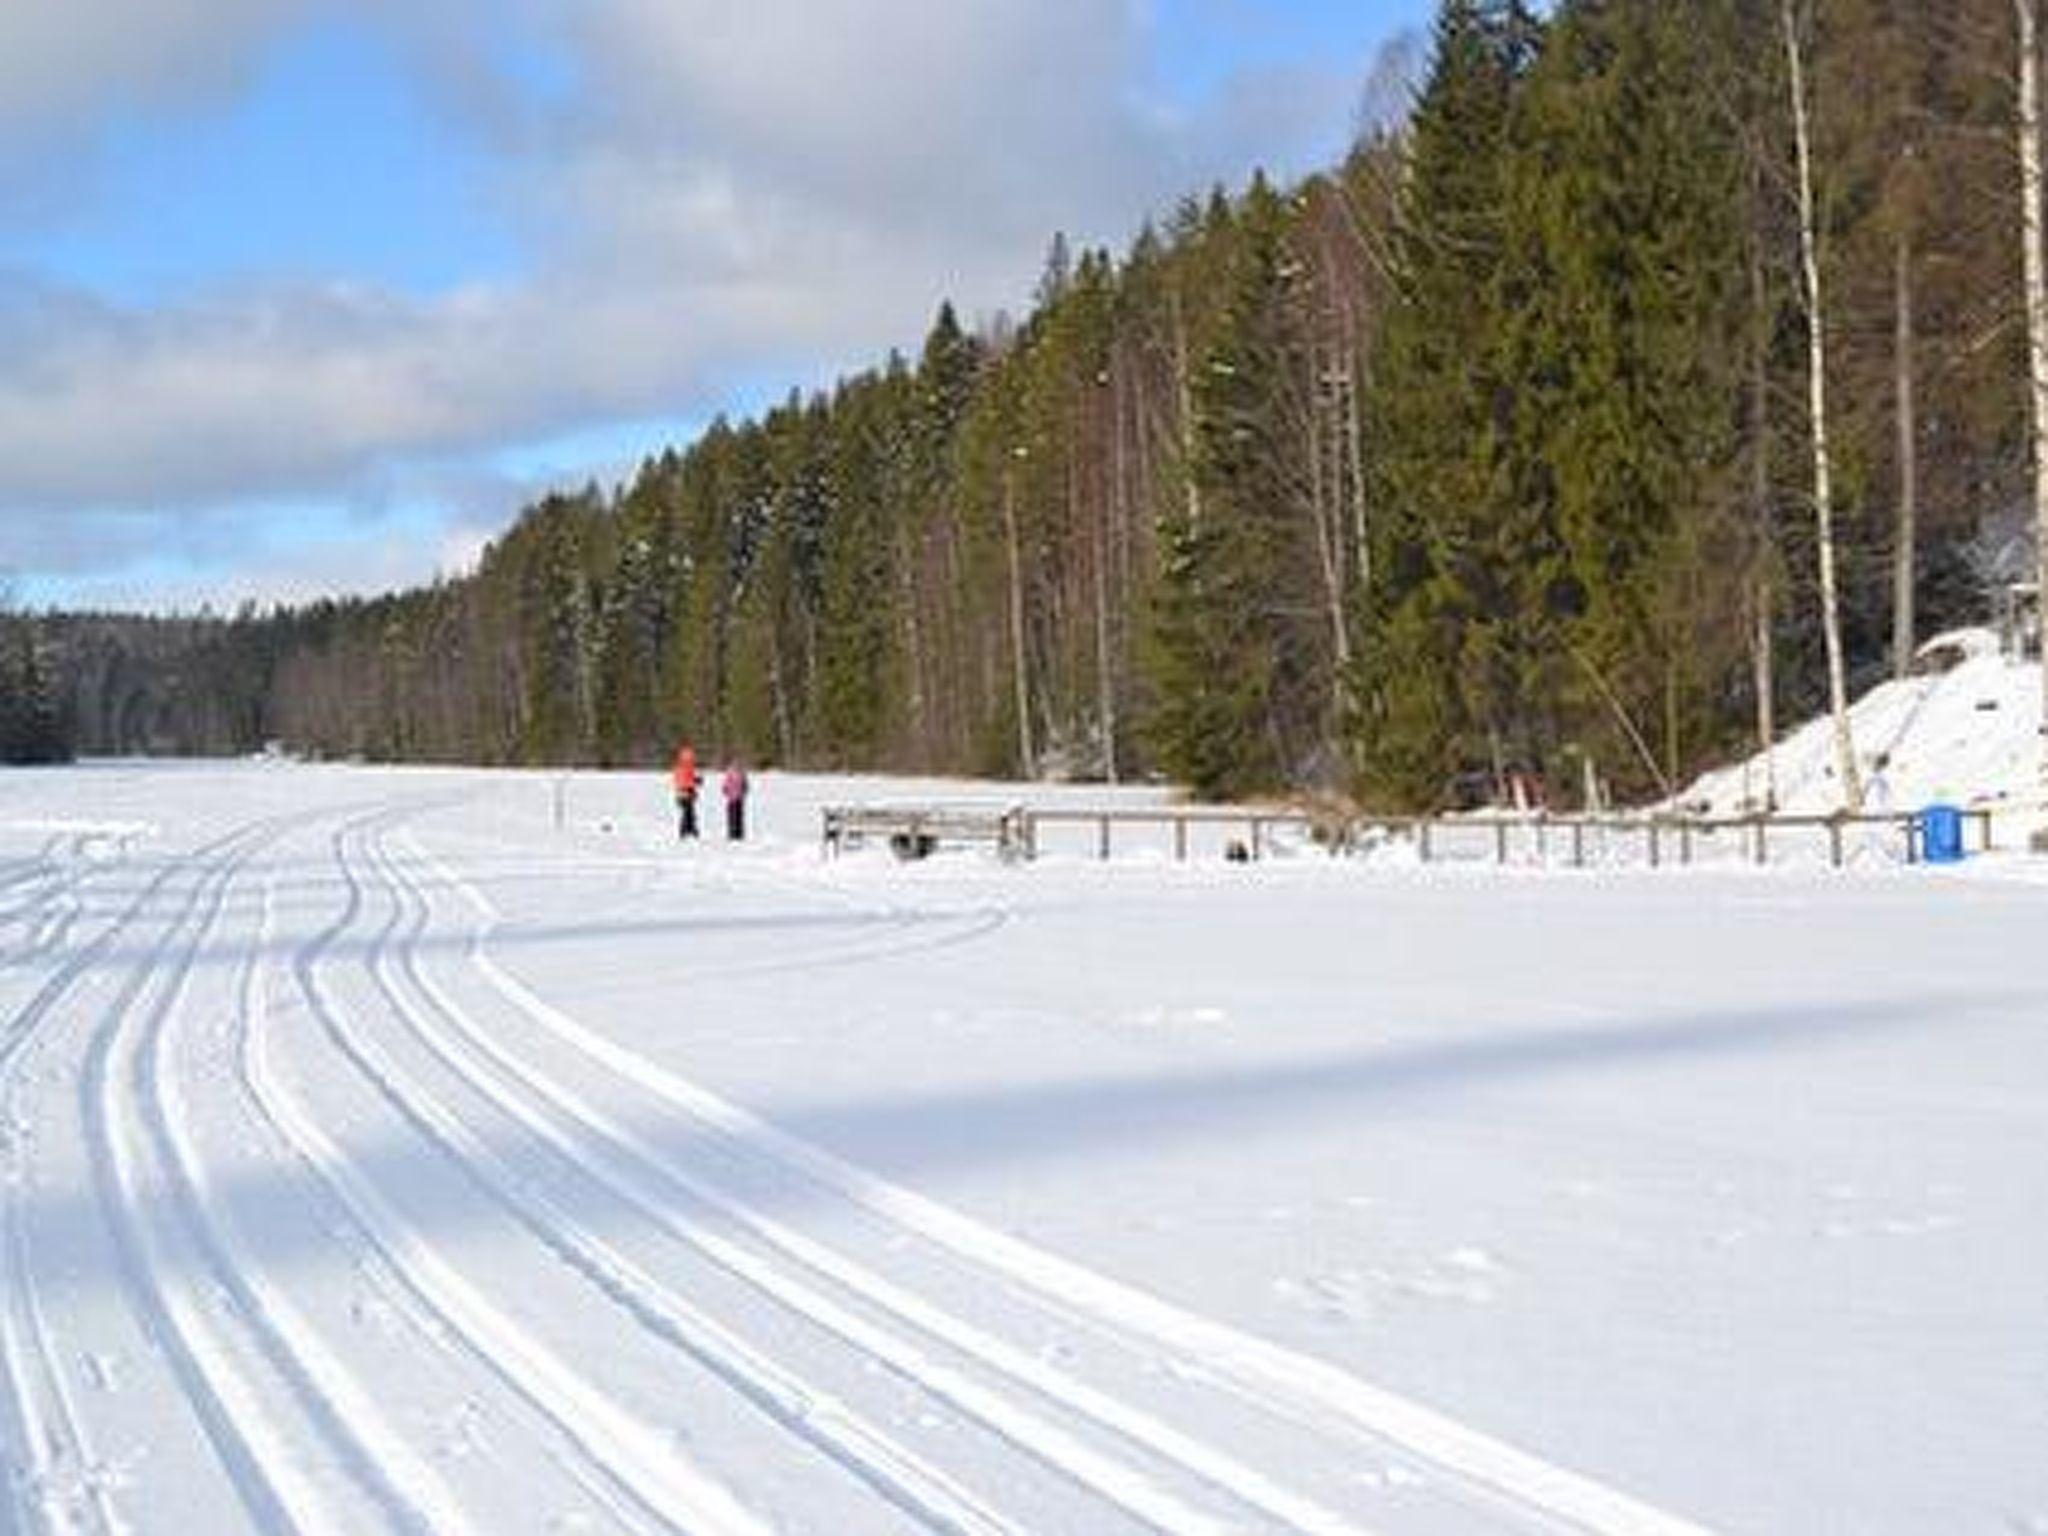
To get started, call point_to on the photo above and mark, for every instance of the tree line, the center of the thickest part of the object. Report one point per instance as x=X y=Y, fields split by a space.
x=34 y=725
x=1662 y=372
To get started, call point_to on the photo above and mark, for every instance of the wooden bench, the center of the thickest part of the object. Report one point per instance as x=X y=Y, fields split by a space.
x=917 y=831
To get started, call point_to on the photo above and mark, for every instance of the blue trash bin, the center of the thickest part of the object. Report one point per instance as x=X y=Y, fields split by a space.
x=1941 y=835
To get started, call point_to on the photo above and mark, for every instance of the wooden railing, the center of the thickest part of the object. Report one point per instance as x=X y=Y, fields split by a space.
x=1571 y=839
x=913 y=831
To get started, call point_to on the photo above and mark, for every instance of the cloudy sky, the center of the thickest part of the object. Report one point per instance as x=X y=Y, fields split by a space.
x=301 y=296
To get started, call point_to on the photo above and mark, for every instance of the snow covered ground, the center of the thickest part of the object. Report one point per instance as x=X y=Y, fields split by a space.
x=1970 y=735
x=376 y=1154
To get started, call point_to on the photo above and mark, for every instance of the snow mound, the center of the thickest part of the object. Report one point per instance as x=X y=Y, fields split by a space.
x=1964 y=731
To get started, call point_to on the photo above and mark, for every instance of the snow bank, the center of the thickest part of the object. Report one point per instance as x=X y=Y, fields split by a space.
x=1967 y=736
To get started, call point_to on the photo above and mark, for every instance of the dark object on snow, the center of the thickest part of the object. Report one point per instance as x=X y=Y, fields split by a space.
x=735 y=802
x=1236 y=852
x=912 y=845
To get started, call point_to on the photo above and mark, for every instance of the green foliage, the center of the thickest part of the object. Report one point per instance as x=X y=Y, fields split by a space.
x=34 y=723
x=1469 y=454
x=1457 y=630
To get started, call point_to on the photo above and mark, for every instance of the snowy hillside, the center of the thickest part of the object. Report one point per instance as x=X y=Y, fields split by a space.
x=1968 y=736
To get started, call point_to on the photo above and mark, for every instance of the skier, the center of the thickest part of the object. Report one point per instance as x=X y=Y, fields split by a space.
x=685 y=776
x=735 y=801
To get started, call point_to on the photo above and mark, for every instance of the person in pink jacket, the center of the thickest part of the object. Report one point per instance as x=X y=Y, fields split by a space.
x=735 y=801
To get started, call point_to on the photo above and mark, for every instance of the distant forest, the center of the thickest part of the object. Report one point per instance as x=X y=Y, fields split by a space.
x=1489 y=450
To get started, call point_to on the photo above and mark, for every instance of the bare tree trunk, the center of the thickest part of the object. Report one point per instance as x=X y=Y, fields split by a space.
x=1109 y=531
x=2029 y=129
x=1762 y=654
x=1906 y=537
x=1326 y=510
x=1354 y=464
x=1823 y=476
x=1766 y=689
x=1185 y=390
x=785 y=745
x=1105 y=678
x=921 y=745
x=1026 y=757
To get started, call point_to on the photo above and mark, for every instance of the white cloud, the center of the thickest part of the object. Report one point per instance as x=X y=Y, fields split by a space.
x=710 y=191
x=65 y=61
x=67 y=65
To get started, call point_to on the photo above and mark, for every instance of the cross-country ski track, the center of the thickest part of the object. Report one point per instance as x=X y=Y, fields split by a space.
x=321 y=1215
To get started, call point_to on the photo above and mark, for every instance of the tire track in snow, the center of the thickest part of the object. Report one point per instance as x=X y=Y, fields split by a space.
x=633 y=1460
x=51 y=1431
x=638 y=1175
x=1292 y=1386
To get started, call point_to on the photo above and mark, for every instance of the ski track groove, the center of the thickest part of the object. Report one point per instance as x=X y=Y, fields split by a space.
x=56 y=1439
x=275 y=1492
x=1295 y=1387
x=632 y=1185
x=637 y=1174
x=633 y=1458
x=831 y=1427
x=410 y=1495
x=49 y=909
x=217 y=1342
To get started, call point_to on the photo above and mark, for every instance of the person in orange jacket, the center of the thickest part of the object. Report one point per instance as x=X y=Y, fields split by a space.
x=735 y=801
x=685 y=776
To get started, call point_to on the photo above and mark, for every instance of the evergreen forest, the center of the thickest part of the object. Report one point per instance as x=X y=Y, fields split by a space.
x=1487 y=451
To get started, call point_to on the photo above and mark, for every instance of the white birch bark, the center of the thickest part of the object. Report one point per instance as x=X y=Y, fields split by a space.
x=1904 y=554
x=1027 y=758
x=1823 y=472
x=2029 y=130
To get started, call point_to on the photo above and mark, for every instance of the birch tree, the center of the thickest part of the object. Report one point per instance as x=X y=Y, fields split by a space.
x=1817 y=400
x=2029 y=133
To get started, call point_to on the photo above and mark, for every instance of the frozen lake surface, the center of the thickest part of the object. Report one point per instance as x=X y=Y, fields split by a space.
x=377 y=1154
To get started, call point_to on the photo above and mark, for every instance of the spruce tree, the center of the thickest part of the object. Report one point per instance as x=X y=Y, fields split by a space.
x=1245 y=690
x=34 y=723
x=1450 y=639
x=1624 y=249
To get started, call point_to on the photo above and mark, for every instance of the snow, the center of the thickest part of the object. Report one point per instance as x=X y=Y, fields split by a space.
x=377 y=1154
x=1969 y=735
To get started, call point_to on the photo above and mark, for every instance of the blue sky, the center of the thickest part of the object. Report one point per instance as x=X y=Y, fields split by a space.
x=301 y=296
